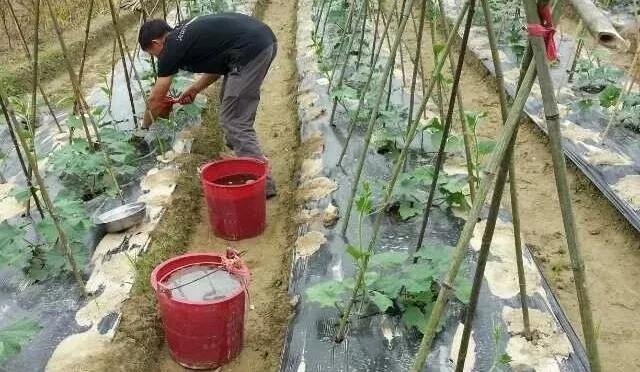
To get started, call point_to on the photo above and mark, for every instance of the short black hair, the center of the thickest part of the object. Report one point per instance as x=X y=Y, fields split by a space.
x=151 y=30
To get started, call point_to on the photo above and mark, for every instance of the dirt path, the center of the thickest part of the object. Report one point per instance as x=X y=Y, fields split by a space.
x=610 y=245
x=267 y=255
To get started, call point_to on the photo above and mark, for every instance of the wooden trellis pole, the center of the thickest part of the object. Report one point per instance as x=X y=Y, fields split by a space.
x=552 y=115
x=23 y=165
x=4 y=24
x=25 y=45
x=63 y=240
x=34 y=84
x=85 y=45
x=120 y=40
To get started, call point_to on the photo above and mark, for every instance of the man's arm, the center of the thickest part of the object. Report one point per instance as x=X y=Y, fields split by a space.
x=189 y=95
x=156 y=100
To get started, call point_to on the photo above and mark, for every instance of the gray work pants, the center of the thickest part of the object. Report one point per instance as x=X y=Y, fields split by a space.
x=239 y=97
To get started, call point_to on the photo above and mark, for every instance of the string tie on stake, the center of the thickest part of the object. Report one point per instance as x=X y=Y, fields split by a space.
x=545 y=30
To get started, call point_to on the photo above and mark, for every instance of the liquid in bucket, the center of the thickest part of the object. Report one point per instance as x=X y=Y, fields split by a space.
x=236 y=179
x=202 y=283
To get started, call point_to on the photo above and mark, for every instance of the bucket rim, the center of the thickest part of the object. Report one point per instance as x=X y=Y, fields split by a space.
x=228 y=160
x=156 y=282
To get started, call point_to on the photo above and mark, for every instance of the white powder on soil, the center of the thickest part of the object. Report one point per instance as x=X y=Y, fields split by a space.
x=628 y=188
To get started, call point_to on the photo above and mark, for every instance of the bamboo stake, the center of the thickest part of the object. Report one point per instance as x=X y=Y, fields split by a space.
x=86 y=42
x=319 y=18
x=373 y=118
x=33 y=162
x=113 y=72
x=487 y=239
x=489 y=171
x=347 y=54
x=326 y=20
x=342 y=49
x=513 y=188
x=34 y=91
x=364 y=29
x=365 y=89
x=25 y=46
x=414 y=126
x=447 y=127
x=120 y=40
x=467 y=141
x=375 y=32
x=4 y=24
x=23 y=166
x=560 y=171
x=404 y=4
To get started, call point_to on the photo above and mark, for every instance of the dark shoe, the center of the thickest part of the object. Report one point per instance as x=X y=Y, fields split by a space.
x=271 y=189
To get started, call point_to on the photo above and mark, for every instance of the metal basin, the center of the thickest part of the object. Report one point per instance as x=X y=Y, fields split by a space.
x=122 y=217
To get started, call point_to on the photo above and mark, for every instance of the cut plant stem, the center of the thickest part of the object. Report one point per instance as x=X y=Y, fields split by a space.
x=489 y=171
x=560 y=170
x=25 y=45
x=42 y=187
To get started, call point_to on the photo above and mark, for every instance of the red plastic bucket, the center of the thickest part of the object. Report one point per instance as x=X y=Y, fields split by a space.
x=236 y=211
x=202 y=334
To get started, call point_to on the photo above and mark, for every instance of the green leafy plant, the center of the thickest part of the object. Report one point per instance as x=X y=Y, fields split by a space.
x=41 y=257
x=501 y=360
x=593 y=75
x=629 y=115
x=14 y=336
x=482 y=146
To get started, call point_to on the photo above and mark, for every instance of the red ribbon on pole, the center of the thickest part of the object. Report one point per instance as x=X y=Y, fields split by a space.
x=545 y=30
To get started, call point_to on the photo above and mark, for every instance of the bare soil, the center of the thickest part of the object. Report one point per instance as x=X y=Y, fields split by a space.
x=268 y=256
x=610 y=245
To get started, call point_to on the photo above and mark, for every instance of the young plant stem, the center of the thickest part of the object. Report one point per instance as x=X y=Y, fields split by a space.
x=374 y=115
x=347 y=54
x=27 y=52
x=85 y=46
x=33 y=162
x=121 y=48
x=513 y=188
x=560 y=170
x=447 y=126
x=74 y=81
x=489 y=171
x=412 y=130
x=364 y=90
x=467 y=141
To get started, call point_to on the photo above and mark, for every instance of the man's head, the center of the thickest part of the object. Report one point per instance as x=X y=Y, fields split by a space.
x=152 y=35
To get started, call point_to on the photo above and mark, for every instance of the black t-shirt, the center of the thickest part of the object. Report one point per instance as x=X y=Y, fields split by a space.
x=214 y=44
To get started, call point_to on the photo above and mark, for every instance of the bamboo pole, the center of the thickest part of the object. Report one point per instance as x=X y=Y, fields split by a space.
x=318 y=19
x=347 y=54
x=34 y=91
x=365 y=89
x=342 y=49
x=86 y=42
x=414 y=125
x=25 y=46
x=487 y=239
x=362 y=34
x=489 y=171
x=23 y=165
x=113 y=72
x=373 y=118
x=375 y=32
x=74 y=81
x=121 y=48
x=33 y=162
x=416 y=61
x=513 y=188
x=553 y=126
x=467 y=141
x=326 y=20
x=4 y=25
x=404 y=82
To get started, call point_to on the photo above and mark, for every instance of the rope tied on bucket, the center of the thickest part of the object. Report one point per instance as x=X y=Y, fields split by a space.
x=545 y=30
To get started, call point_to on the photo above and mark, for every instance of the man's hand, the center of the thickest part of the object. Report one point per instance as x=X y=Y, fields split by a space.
x=188 y=96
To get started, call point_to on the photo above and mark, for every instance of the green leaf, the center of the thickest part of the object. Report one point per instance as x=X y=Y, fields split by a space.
x=486 y=146
x=609 y=96
x=390 y=285
x=14 y=250
x=414 y=317
x=326 y=293
x=21 y=194
x=387 y=260
x=419 y=277
x=364 y=204
x=382 y=302
x=505 y=359
x=14 y=336
x=407 y=210
x=356 y=252
x=462 y=288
